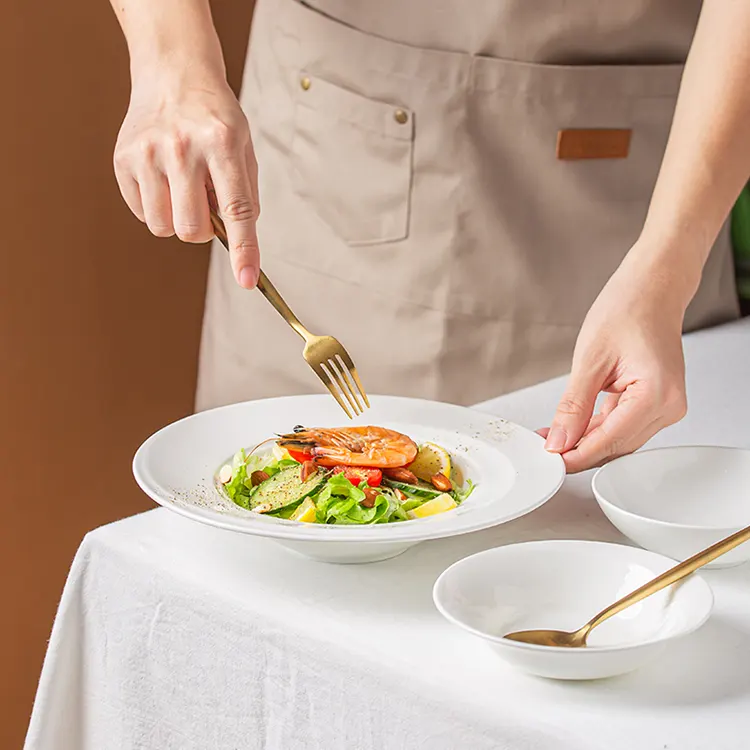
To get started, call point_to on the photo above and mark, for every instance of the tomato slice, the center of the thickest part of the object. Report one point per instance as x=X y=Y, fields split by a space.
x=355 y=474
x=299 y=456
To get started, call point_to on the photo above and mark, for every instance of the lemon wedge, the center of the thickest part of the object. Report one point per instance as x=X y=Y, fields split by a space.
x=279 y=453
x=439 y=504
x=431 y=460
x=305 y=512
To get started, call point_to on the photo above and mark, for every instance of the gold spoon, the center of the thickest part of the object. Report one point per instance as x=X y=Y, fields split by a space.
x=577 y=638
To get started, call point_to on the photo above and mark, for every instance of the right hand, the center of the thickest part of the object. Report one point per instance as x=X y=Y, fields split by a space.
x=180 y=142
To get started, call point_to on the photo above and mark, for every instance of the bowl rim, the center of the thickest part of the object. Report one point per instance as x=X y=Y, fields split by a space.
x=603 y=501
x=500 y=640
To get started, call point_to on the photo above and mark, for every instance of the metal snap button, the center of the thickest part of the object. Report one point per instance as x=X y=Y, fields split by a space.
x=305 y=83
x=400 y=116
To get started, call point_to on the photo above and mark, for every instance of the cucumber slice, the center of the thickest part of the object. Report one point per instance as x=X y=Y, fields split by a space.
x=286 y=488
x=422 y=490
x=287 y=512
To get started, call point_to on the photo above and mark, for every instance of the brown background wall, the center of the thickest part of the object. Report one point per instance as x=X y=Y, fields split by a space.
x=99 y=321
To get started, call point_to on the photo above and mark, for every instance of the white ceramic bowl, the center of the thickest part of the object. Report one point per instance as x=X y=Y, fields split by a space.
x=513 y=473
x=678 y=501
x=562 y=584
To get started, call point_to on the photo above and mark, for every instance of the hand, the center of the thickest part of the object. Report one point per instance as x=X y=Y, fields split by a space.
x=629 y=347
x=182 y=143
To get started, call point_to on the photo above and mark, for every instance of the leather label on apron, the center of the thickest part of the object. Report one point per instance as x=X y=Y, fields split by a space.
x=593 y=143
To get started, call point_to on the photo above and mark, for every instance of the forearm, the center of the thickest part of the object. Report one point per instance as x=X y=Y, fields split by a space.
x=177 y=36
x=707 y=160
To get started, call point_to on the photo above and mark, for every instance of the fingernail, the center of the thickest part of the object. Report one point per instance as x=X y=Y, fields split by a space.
x=556 y=440
x=248 y=277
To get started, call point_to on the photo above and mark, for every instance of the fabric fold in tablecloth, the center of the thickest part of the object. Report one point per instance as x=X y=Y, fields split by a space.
x=138 y=660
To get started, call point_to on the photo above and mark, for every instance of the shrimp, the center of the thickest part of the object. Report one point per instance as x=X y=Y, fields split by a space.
x=374 y=447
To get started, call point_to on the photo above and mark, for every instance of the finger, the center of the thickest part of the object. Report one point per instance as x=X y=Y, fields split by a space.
x=130 y=192
x=575 y=409
x=234 y=196
x=595 y=421
x=574 y=463
x=609 y=403
x=157 y=204
x=619 y=432
x=190 y=215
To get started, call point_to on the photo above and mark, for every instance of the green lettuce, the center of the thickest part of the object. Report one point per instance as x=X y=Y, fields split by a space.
x=340 y=502
x=238 y=488
x=461 y=493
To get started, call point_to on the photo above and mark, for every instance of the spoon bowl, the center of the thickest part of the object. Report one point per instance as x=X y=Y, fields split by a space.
x=552 y=638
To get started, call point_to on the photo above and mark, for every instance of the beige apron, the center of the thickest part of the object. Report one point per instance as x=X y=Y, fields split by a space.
x=413 y=203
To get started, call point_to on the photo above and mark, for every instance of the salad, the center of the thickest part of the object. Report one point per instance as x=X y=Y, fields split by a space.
x=348 y=475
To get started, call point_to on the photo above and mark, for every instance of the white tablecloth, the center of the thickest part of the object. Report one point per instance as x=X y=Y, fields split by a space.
x=171 y=635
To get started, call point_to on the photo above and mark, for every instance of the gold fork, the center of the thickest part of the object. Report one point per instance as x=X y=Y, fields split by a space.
x=327 y=357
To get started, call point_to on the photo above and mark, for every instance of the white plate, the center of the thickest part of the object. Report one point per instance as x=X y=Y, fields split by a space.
x=514 y=474
x=562 y=584
x=679 y=500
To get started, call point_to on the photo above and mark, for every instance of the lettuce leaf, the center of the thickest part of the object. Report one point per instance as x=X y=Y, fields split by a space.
x=461 y=493
x=337 y=498
x=239 y=488
x=339 y=502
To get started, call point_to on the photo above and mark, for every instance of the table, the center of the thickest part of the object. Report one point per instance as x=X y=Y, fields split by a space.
x=171 y=635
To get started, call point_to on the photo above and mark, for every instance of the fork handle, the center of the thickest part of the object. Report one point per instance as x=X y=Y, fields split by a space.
x=265 y=286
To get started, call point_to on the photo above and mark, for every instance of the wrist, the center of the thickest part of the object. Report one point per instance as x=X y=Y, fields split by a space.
x=670 y=269
x=177 y=65
x=174 y=40
x=174 y=80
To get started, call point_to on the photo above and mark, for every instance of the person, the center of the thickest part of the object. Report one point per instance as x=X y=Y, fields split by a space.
x=473 y=196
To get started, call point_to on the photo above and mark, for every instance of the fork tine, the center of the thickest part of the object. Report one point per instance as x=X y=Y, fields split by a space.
x=349 y=385
x=334 y=370
x=360 y=387
x=347 y=360
x=323 y=375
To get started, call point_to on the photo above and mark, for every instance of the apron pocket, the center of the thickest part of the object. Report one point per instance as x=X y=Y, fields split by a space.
x=353 y=161
x=560 y=226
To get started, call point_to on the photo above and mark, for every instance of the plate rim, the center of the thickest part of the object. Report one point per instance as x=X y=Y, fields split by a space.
x=422 y=530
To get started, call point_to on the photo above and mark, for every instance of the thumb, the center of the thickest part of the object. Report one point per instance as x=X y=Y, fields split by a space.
x=574 y=411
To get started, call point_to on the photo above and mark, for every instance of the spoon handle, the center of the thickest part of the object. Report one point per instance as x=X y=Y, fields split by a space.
x=672 y=575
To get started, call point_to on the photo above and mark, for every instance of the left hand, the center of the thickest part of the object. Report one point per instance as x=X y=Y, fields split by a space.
x=629 y=347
